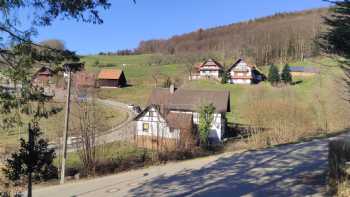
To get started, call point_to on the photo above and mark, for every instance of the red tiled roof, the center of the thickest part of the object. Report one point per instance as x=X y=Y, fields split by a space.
x=109 y=74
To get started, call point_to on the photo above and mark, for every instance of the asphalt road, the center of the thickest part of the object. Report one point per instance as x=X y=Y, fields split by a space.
x=289 y=170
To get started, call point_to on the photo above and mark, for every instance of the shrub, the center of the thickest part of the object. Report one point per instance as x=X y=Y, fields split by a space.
x=338 y=156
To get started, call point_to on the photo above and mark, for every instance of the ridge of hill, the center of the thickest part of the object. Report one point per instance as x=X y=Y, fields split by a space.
x=280 y=37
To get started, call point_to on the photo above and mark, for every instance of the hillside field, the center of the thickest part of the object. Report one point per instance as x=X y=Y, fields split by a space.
x=139 y=76
x=52 y=127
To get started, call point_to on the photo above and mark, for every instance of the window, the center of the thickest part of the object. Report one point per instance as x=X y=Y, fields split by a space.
x=145 y=127
x=151 y=114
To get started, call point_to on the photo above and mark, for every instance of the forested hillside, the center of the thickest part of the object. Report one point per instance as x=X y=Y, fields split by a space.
x=278 y=38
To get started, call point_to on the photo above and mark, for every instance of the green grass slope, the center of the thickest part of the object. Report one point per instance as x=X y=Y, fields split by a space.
x=139 y=76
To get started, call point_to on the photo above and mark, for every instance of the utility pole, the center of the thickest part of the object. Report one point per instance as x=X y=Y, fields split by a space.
x=66 y=126
x=31 y=142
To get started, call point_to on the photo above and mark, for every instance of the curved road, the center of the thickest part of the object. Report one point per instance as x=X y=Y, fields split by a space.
x=118 y=133
x=289 y=170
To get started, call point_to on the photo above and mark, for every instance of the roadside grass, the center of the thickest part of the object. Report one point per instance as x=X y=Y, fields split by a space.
x=119 y=155
x=52 y=127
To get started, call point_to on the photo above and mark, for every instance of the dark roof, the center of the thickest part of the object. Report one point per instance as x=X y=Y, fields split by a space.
x=211 y=62
x=179 y=120
x=308 y=69
x=44 y=71
x=239 y=61
x=190 y=100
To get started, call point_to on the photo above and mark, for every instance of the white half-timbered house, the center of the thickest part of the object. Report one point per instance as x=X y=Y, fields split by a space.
x=211 y=69
x=168 y=109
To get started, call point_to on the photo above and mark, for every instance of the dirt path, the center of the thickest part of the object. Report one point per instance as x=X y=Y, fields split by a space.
x=289 y=170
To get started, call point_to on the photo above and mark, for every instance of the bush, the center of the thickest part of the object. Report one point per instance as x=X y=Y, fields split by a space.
x=338 y=156
x=224 y=78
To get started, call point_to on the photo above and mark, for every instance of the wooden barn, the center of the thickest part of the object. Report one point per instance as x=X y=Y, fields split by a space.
x=111 y=78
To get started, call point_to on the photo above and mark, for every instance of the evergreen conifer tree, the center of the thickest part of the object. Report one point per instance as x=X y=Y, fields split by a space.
x=33 y=160
x=286 y=76
x=273 y=76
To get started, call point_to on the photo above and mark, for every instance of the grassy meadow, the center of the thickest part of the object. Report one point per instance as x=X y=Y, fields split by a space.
x=139 y=76
x=52 y=127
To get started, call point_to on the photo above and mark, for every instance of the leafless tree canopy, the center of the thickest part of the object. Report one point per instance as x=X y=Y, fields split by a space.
x=271 y=39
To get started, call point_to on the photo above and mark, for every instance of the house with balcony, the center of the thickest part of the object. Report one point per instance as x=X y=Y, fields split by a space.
x=243 y=73
x=209 y=69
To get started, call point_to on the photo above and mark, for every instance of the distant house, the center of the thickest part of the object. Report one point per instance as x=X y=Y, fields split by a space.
x=111 y=78
x=171 y=108
x=43 y=77
x=303 y=71
x=84 y=79
x=7 y=85
x=243 y=73
x=210 y=69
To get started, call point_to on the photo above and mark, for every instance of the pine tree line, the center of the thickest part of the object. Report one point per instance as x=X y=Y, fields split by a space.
x=275 y=78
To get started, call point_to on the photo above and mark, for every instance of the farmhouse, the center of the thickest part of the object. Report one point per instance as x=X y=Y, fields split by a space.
x=210 y=69
x=43 y=77
x=303 y=71
x=243 y=73
x=170 y=109
x=111 y=78
x=163 y=128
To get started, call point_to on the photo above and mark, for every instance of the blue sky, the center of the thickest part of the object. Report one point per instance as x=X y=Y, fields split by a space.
x=126 y=24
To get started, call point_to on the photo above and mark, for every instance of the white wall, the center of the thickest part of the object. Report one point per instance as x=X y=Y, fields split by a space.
x=157 y=126
x=209 y=73
x=236 y=72
x=240 y=81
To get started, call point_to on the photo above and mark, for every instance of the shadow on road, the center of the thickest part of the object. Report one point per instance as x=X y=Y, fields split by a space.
x=291 y=170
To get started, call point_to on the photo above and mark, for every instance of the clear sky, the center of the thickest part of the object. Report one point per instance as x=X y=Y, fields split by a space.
x=126 y=24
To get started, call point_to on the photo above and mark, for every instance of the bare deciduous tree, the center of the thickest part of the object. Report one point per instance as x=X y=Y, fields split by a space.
x=89 y=124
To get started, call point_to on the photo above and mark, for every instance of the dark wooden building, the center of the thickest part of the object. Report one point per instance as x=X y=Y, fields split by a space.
x=111 y=78
x=43 y=77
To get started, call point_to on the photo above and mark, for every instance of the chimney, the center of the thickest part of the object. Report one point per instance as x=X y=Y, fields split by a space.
x=172 y=89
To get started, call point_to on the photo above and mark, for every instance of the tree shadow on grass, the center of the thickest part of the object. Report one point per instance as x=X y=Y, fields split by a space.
x=291 y=170
x=296 y=82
